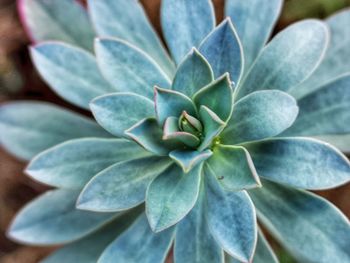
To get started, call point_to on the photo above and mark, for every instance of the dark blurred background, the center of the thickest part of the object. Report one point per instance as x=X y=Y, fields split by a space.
x=19 y=80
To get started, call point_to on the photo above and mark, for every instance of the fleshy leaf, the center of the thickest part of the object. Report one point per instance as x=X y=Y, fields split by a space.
x=197 y=20
x=232 y=220
x=217 y=96
x=223 y=50
x=119 y=111
x=188 y=159
x=171 y=196
x=233 y=167
x=128 y=68
x=260 y=115
x=193 y=74
x=310 y=227
x=149 y=135
x=342 y=142
x=53 y=20
x=70 y=71
x=172 y=132
x=139 y=244
x=263 y=252
x=52 y=219
x=29 y=127
x=89 y=249
x=326 y=111
x=213 y=125
x=335 y=62
x=254 y=21
x=171 y=103
x=194 y=242
x=121 y=186
x=288 y=59
x=73 y=163
x=300 y=162
x=127 y=20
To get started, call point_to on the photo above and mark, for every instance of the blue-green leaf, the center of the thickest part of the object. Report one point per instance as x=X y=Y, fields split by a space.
x=197 y=20
x=223 y=50
x=335 y=62
x=171 y=103
x=121 y=186
x=212 y=124
x=311 y=228
x=29 y=127
x=171 y=132
x=194 y=242
x=171 y=196
x=139 y=244
x=193 y=74
x=128 y=68
x=326 y=111
x=53 y=219
x=89 y=249
x=188 y=159
x=53 y=20
x=260 y=115
x=119 y=111
x=300 y=162
x=127 y=20
x=233 y=167
x=254 y=21
x=288 y=59
x=263 y=252
x=340 y=141
x=70 y=71
x=232 y=220
x=73 y=163
x=149 y=135
x=217 y=96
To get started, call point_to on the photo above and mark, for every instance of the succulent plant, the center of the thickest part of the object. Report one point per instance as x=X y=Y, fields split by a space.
x=190 y=149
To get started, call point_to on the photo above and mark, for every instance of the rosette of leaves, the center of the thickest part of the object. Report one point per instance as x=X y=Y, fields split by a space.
x=189 y=150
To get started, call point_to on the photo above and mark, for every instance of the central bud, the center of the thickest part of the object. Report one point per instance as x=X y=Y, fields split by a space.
x=190 y=124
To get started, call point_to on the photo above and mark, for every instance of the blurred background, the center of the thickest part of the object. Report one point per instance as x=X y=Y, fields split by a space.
x=19 y=80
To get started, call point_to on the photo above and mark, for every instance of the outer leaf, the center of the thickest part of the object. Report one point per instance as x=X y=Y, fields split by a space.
x=53 y=219
x=171 y=196
x=171 y=103
x=119 y=111
x=233 y=167
x=53 y=20
x=89 y=249
x=197 y=20
x=326 y=111
x=336 y=60
x=131 y=25
x=149 y=135
x=128 y=68
x=70 y=71
x=29 y=127
x=193 y=74
x=139 y=244
x=223 y=50
x=188 y=159
x=260 y=115
x=217 y=96
x=311 y=228
x=288 y=59
x=342 y=142
x=121 y=186
x=263 y=252
x=254 y=21
x=213 y=125
x=194 y=242
x=232 y=220
x=72 y=164
x=171 y=132
x=300 y=162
